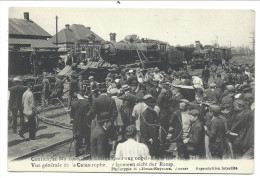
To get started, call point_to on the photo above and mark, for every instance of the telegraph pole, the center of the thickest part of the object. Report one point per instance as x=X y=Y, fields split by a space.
x=253 y=41
x=57 y=30
x=229 y=43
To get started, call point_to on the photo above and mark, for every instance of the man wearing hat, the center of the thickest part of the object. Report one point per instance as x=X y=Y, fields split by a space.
x=58 y=87
x=155 y=90
x=165 y=111
x=195 y=140
x=137 y=110
x=211 y=95
x=105 y=103
x=242 y=128
x=81 y=120
x=215 y=130
x=157 y=75
x=180 y=127
x=15 y=102
x=149 y=128
x=93 y=83
x=205 y=76
x=249 y=98
x=81 y=84
x=127 y=109
x=118 y=122
x=131 y=148
x=99 y=141
x=46 y=89
x=228 y=99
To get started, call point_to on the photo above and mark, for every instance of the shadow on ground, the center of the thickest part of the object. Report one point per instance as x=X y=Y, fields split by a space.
x=48 y=136
x=16 y=142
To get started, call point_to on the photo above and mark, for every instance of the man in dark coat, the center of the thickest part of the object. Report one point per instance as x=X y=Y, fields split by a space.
x=215 y=129
x=242 y=128
x=105 y=103
x=165 y=111
x=15 y=102
x=79 y=115
x=205 y=76
x=149 y=132
x=195 y=141
x=100 y=139
x=155 y=90
x=126 y=110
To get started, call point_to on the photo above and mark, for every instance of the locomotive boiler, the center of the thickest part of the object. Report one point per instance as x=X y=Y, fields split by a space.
x=148 y=52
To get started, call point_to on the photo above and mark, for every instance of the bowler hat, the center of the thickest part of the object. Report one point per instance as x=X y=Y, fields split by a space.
x=103 y=117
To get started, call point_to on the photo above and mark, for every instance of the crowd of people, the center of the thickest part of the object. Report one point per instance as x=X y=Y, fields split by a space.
x=141 y=112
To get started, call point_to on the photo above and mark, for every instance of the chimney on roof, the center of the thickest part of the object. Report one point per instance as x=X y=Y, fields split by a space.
x=112 y=37
x=197 y=44
x=88 y=28
x=26 y=15
x=67 y=26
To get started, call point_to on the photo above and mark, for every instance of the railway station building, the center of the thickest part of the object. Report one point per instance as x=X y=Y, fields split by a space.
x=78 y=39
x=25 y=37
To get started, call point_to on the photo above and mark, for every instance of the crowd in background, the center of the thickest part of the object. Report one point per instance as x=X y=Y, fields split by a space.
x=141 y=112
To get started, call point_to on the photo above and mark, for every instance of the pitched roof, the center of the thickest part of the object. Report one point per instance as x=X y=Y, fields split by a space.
x=76 y=32
x=26 y=27
x=34 y=43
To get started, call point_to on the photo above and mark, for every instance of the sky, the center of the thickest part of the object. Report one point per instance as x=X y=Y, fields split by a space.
x=177 y=27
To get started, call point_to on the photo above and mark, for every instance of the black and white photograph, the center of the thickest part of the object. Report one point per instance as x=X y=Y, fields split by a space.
x=151 y=90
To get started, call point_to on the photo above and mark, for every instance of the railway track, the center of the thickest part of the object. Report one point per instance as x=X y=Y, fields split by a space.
x=56 y=116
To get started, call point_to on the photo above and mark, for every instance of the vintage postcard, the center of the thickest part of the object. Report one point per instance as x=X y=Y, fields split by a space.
x=136 y=90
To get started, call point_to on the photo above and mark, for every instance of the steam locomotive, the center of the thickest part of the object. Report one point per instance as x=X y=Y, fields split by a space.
x=152 y=53
x=147 y=52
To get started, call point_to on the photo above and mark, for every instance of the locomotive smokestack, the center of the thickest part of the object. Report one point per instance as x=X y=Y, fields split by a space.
x=26 y=15
x=88 y=28
x=198 y=45
x=112 y=37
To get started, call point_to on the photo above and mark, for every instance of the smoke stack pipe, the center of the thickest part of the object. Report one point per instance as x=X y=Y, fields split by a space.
x=26 y=15
x=88 y=28
x=198 y=45
x=67 y=26
x=112 y=37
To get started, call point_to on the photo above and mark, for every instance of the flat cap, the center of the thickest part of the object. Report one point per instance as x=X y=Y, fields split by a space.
x=248 y=96
x=139 y=96
x=215 y=108
x=194 y=112
x=239 y=102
